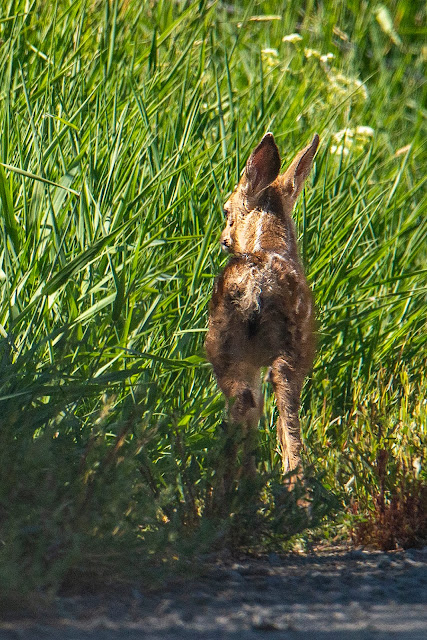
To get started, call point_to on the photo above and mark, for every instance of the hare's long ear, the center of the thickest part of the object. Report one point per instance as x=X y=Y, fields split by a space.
x=293 y=179
x=262 y=169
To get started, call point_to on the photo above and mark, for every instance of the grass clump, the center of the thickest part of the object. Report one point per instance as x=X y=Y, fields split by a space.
x=392 y=505
x=122 y=128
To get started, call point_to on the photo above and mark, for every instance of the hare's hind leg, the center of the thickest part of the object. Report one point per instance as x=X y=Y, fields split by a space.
x=241 y=385
x=246 y=407
x=245 y=404
x=287 y=387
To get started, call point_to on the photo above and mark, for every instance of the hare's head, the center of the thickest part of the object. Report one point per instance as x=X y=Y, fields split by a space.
x=261 y=188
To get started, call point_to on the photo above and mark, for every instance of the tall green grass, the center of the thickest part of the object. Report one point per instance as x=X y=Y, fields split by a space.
x=123 y=126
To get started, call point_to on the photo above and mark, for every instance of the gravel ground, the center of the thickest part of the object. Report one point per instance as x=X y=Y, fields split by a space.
x=338 y=595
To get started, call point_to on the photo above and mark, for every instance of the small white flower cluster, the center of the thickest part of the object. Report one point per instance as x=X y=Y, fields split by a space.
x=323 y=57
x=272 y=52
x=351 y=138
x=293 y=38
x=341 y=84
x=326 y=57
x=312 y=53
x=270 y=57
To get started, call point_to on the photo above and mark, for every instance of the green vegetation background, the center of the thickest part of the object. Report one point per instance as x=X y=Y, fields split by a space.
x=123 y=126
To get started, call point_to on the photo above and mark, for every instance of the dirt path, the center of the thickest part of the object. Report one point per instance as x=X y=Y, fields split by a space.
x=335 y=595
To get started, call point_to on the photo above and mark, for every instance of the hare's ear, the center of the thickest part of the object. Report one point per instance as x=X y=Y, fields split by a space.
x=262 y=168
x=293 y=179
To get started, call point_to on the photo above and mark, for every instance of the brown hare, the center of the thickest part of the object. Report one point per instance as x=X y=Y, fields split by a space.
x=261 y=313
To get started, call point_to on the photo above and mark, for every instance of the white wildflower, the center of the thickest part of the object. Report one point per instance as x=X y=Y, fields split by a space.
x=312 y=53
x=343 y=84
x=270 y=52
x=365 y=131
x=270 y=57
x=326 y=57
x=292 y=37
x=347 y=139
